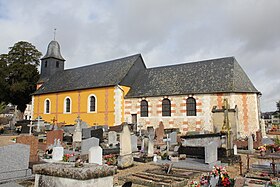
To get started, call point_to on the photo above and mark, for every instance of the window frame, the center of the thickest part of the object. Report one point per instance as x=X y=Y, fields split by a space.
x=144 y=113
x=65 y=105
x=89 y=104
x=47 y=110
x=166 y=107
x=191 y=106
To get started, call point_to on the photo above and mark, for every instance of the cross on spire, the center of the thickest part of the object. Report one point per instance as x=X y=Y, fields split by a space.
x=54 y=33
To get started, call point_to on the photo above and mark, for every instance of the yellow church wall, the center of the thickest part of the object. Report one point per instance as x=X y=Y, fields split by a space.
x=104 y=113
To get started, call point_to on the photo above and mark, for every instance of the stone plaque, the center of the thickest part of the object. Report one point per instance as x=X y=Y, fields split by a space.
x=95 y=155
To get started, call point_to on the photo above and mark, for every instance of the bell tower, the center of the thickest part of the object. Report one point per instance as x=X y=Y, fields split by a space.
x=51 y=63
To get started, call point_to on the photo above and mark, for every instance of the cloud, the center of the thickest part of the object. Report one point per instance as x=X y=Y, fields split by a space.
x=163 y=31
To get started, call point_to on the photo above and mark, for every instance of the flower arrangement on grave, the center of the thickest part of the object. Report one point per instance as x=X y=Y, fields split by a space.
x=262 y=148
x=67 y=156
x=110 y=159
x=194 y=184
x=220 y=173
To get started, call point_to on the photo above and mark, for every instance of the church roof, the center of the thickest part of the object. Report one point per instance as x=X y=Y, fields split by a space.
x=53 y=51
x=103 y=74
x=222 y=75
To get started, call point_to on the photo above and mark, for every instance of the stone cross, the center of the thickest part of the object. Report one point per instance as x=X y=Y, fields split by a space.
x=226 y=126
x=140 y=127
x=30 y=127
x=167 y=140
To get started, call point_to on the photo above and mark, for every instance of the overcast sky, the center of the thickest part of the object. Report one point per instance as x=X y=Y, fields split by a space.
x=164 y=32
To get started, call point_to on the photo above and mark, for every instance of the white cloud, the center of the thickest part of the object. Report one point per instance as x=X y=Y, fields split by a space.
x=163 y=31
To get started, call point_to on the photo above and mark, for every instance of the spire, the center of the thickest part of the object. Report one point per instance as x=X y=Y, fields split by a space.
x=53 y=50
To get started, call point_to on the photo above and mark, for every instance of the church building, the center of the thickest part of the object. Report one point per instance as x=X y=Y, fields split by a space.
x=187 y=97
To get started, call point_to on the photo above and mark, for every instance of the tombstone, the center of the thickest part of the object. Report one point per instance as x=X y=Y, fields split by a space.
x=145 y=145
x=58 y=151
x=97 y=133
x=14 y=161
x=86 y=132
x=173 y=138
x=214 y=181
x=88 y=143
x=52 y=135
x=95 y=155
x=263 y=128
x=33 y=142
x=211 y=155
x=159 y=134
x=150 y=148
x=167 y=140
x=151 y=132
x=250 y=144
x=112 y=138
x=235 y=149
x=77 y=135
x=125 y=158
x=134 y=147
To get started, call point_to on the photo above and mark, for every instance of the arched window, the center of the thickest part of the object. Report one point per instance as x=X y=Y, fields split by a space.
x=92 y=103
x=166 y=107
x=191 y=107
x=67 y=105
x=47 y=106
x=144 y=108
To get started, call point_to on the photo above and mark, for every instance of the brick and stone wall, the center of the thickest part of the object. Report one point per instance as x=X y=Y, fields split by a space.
x=246 y=104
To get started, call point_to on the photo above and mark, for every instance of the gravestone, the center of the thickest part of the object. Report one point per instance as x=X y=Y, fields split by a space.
x=112 y=138
x=211 y=155
x=77 y=135
x=33 y=142
x=125 y=158
x=235 y=149
x=151 y=132
x=150 y=148
x=159 y=134
x=250 y=144
x=86 y=132
x=52 y=135
x=88 y=143
x=145 y=145
x=173 y=138
x=134 y=147
x=95 y=155
x=14 y=161
x=58 y=151
x=97 y=133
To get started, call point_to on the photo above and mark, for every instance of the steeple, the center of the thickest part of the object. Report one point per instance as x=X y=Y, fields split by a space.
x=52 y=62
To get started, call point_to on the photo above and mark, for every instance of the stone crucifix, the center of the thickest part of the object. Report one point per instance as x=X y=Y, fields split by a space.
x=226 y=126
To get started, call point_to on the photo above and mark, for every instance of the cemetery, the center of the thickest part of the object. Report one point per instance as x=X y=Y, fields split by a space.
x=52 y=155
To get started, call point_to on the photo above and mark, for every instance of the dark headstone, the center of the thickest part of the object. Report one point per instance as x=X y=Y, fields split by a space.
x=97 y=133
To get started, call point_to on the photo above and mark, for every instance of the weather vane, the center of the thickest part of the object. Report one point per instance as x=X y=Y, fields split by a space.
x=54 y=33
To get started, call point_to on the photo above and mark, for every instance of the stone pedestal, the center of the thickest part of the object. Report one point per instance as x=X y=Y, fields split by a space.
x=125 y=161
x=67 y=175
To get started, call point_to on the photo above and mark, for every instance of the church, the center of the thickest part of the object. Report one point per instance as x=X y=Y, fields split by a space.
x=189 y=97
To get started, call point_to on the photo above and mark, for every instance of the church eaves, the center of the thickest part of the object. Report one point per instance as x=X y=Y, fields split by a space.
x=223 y=75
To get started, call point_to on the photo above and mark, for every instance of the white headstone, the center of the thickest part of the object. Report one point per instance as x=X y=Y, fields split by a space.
x=235 y=149
x=125 y=141
x=173 y=138
x=88 y=143
x=112 y=138
x=134 y=143
x=150 y=148
x=263 y=128
x=57 y=154
x=211 y=155
x=95 y=155
x=77 y=135
x=155 y=158
x=145 y=145
x=250 y=143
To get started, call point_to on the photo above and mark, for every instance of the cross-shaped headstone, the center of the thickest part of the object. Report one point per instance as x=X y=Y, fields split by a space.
x=167 y=140
x=30 y=127
x=140 y=127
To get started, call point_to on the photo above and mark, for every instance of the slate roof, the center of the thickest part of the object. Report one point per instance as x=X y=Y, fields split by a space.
x=104 y=74
x=222 y=75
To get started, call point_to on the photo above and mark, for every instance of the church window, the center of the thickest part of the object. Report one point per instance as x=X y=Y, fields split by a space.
x=166 y=107
x=191 y=107
x=144 y=108
x=67 y=105
x=47 y=106
x=57 y=64
x=92 y=103
x=46 y=64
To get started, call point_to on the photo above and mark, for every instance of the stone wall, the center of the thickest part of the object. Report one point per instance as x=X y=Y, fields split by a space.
x=247 y=114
